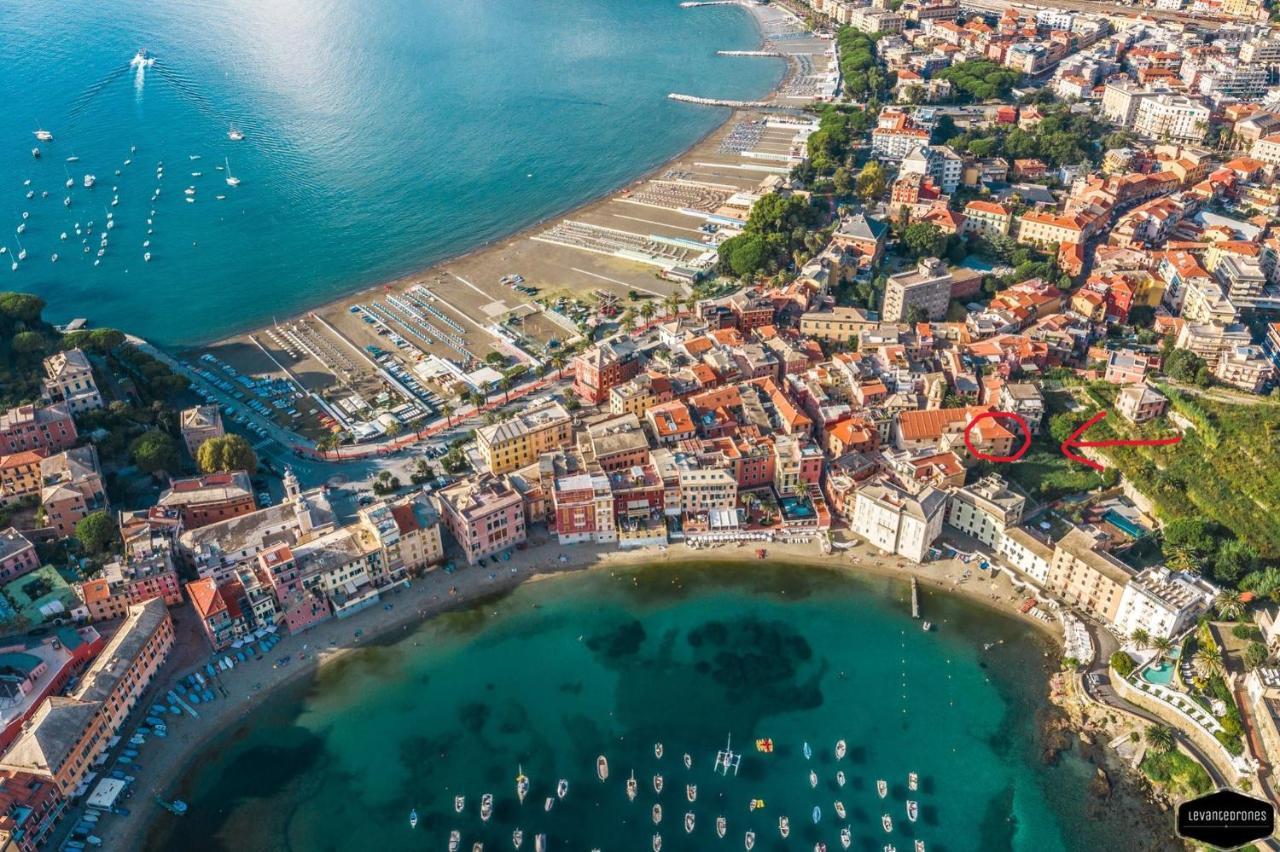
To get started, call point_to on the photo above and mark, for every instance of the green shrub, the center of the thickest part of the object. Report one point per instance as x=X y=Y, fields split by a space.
x=1122 y=663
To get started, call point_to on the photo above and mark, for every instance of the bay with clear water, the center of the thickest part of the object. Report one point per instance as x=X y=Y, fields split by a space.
x=381 y=136
x=561 y=670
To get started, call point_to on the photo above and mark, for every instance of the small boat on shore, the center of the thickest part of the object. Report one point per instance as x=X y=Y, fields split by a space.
x=913 y=781
x=846 y=837
x=784 y=827
x=842 y=748
x=882 y=788
x=749 y=841
x=722 y=826
x=548 y=804
x=691 y=792
x=688 y=822
x=602 y=767
x=522 y=784
x=657 y=813
x=840 y=812
x=486 y=806
x=455 y=840
x=657 y=783
x=813 y=778
x=459 y=802
x=413 y=818
x=631 y=787
x=562 y=788
x=913 y=810
x=840 y=779
x=517 y=838
x=886 y=822
x=688 y=761
x=657 y=842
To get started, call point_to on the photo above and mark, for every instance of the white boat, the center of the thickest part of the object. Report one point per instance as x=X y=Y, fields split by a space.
x=886 y=822
x=631 y=787
x=913 y=781
x=840 y=778
x=657 y=843
x=455 y=840
x=517 y=838
x=413 y=819
x=927 y=626
x=919 y=846
x=549 y=803
x=35 y=152
x=522 y=784
x=784 y=827
x=562 y=788
x=688 y=761
x=657 y=814
x=44 y=136
x=232 y=180
x=657 y=750
x=602 y=767
x=842 y=748
x=657 y=783
x=846 y=837
x=540 y=843
x=839 y=807
x=146 y=255
x=191 y=190
x=819 y=847
x=197 y=174
x=89 y=181
x=486 y=806
x=882 y=788
x=70 y=183
x=722 y=826
x=22 y=227
x=53 y=258
x=235 y=135
x=888 y=847
x=477 y=847
x=688 y=822
x=749 y=841
x=808 y=752
x=691 y=792
x=813 y=778
x=817 y=814
x=142 y=59
x=913 y=810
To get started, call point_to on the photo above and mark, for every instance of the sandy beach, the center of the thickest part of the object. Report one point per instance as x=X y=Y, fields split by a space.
x=250 y=683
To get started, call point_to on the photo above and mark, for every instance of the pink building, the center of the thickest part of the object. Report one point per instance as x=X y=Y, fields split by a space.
x=302 y=608
x=485 y=514
x=17 y=555
x=27 y=427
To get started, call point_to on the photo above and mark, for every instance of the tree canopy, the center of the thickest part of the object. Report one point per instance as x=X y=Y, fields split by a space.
x=775 y=231
x=226 y=453
x=980 y=79
x=154 y=451
x=96 y=531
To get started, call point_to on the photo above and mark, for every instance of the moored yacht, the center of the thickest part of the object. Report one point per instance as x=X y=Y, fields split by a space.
x=882 y=788
x=486 y=806
x=517 y=838
x=749 y=841
x=919 y=846
x=840 y=812
x=459 y=802
x=813 y=778
x=602 y=767
x=722 y=825
x=562 y=788
x=913 y=810
x=688 y=822
x=784 y=827
x=548 y=804
x=657 y=750
x=688 y=761
x=840 y=778
x=455 y=840
x=631 y=787
x=44 y=136
x=691 y=792
x=846 y=837
x=657 y=842
x=657 y=783
x=842 y=748
x=89 y=181
x=913 y=781
x=522 y=784
x=657 y=813
x=235 y=135
x=886 y=822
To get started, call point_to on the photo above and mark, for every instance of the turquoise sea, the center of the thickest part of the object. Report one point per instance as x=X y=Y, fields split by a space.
x=565 y=669
x=381 y=135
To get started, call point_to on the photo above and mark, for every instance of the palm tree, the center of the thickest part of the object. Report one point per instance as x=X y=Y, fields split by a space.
x=1162 y=645
x=1207 y=663
x=1183 y=561
x=504 y=385
x=446 y=408
x=1228 y=605
x=1141 y=638
x=647 y=310
x=558 y=360
x=672 y=303
x=1159 y=737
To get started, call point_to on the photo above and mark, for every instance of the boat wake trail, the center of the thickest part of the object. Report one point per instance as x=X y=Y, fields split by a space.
x=86 y=97
x=186 y=90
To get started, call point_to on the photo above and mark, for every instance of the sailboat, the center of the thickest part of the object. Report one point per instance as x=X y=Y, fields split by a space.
x=232 y=180
x=522 y=784
x=413 y=818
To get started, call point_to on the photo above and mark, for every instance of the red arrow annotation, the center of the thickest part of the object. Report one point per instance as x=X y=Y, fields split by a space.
x=1073 y=441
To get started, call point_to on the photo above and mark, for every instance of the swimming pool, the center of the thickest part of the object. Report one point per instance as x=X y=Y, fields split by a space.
x=1162 y=674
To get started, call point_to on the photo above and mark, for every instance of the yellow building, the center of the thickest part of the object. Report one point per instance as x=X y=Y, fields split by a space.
x=987 y=218
x=515 y=443
x=1087 y=577
x=841 y=324
x=1045 y=229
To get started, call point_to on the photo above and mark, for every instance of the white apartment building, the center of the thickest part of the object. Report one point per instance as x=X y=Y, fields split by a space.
x=1027 y=553
x=1162 y=603
x=1173 y=117
x=897 y=522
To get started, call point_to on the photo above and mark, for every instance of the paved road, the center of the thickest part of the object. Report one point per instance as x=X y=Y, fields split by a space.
x=1110 y=10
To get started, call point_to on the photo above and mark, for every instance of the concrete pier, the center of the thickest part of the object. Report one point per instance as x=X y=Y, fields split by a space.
x=915 y=598
x=748 y=53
